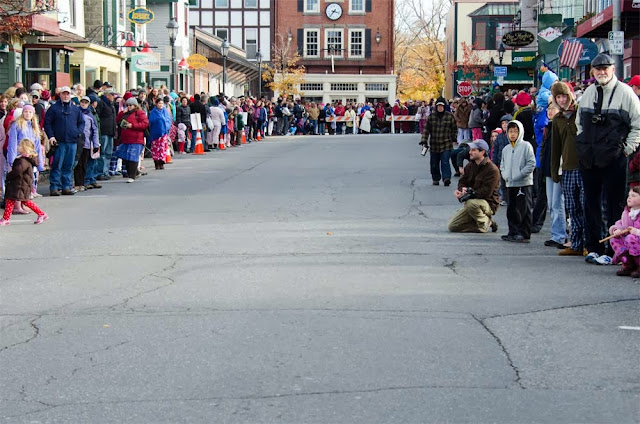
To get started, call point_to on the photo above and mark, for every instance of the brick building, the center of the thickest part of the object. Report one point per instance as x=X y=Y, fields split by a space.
x=346 y=47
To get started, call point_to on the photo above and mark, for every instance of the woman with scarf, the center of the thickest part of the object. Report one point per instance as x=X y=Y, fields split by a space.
x=159 y=127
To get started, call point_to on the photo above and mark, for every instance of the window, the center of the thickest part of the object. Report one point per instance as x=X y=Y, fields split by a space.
x=351 y=100
x=222 y=33
x=356 y=43
x=251 y=43
x=250 y=3
x=311 y=86
x=311 y=43
x=376 y=87
x=222 y=3
x=73 y=13
x=312 y=6
x=333 y=41
x=487 y=34
x=344 y=86
x=38 y=59
x=356 y=6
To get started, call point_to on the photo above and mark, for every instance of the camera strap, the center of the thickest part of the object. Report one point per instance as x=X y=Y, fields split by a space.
x=600 y=98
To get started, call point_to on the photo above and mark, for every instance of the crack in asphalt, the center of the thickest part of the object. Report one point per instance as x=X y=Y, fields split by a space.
x=451 y=264
x=515 y=369
x=582 y=305
x=36 y=333
x=156 y=274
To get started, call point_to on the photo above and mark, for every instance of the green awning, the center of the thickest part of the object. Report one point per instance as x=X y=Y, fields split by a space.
x=496 y=9
x=514 y=76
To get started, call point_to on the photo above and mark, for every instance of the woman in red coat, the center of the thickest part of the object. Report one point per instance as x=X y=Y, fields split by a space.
x=132 y=123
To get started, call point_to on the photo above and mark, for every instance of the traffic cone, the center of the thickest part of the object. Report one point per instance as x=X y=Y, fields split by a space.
x=168 y=157
x=258 y=136
x=199 y=150
x=244 y=137
x=221 y=144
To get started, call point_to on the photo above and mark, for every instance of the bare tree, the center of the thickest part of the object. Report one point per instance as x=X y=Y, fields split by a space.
x=16 y=16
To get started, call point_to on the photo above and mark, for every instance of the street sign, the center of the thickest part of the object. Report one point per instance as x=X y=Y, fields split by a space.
x=500 y=71
x=616 y=42
x=140 y=16
x=465 y=89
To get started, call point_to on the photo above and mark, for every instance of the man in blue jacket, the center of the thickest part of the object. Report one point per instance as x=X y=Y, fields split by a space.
x=64 y=126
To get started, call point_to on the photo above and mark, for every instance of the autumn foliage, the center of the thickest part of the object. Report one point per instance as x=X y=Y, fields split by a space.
x=16 y=16
x=472 y=67
x=284 y=75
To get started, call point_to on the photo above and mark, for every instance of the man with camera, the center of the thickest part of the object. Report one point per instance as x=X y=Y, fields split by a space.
x=608 y=131
x=478 y=191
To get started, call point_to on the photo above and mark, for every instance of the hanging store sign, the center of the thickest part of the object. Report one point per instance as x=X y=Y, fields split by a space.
x=518 y=38
x=197 y=61
x=140 y=16
x=550 y=33
x=523 y=59
x=145 y=62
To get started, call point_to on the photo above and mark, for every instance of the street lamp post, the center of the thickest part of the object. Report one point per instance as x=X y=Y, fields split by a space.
x=501 y=51
x=259 y=59
x=172 y=28
x=225 y=51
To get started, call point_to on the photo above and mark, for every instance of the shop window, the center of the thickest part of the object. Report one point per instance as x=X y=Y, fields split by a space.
x=376 y=87
x=311 y=86
x=312 y=6
x=343 y=86
x=38 y=59
x=311 y=43
x=222 y=3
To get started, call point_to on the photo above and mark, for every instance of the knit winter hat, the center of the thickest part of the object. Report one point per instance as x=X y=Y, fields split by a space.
x=127 y=96
x=561 y=88
x=27 y=108
x=523 y=99
x=507 y=118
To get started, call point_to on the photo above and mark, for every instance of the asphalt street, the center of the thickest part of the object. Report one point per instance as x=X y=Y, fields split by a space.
x=303 y=280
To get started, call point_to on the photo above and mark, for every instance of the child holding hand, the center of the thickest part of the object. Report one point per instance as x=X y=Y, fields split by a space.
x=626 y=240
x=20 y=181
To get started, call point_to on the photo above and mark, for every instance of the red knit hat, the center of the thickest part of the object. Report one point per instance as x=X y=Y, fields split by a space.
x=127 y=96
x=523 y=99
x=635 y=81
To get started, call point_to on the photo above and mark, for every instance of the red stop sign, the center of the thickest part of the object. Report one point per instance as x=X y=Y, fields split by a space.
x=465 y=89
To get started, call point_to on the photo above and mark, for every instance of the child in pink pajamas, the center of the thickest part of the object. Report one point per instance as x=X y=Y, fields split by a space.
x=626 y=243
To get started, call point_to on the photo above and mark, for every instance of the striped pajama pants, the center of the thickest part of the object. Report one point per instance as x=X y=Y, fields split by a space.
x=573 y=191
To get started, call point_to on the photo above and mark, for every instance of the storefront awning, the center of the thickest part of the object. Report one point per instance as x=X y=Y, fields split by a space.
x=239 y=69
x=599 y=25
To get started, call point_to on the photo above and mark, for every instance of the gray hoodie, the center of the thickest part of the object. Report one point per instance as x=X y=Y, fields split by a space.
x=518 y=161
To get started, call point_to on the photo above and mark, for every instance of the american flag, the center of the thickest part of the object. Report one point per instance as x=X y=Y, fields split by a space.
x=571 y=52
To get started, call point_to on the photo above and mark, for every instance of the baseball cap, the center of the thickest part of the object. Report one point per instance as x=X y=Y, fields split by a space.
x=635 y=81
x=85 y=99
x=65 y=88
x=479 y=144
x=35 y=86
x=109 y=91
x=107 y=84
x=35 y=93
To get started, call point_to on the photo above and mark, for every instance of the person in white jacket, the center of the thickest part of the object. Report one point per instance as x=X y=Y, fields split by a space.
x=517 y=165
x=217 y=116
x=365 y=124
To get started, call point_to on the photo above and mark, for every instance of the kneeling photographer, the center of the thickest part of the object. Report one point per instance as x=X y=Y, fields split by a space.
x=478 y=191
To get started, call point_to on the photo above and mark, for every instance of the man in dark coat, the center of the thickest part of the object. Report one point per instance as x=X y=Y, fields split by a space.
x=440 y=132
x=107 y=113
x=64 y=126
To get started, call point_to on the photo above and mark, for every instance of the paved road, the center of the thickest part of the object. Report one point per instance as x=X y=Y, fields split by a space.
x=302 y=280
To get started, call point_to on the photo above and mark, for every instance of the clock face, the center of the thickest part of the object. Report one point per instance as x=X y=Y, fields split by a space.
x=333 y=11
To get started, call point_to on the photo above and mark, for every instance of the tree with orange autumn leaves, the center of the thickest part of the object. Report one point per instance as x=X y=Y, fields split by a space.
x=419 y=48
x=472 y=68
x=16 y=15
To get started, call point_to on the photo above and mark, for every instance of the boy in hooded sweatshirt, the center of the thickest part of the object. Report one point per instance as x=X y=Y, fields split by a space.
x=517 y=165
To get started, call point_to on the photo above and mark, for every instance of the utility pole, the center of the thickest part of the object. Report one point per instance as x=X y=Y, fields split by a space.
x=615 y=26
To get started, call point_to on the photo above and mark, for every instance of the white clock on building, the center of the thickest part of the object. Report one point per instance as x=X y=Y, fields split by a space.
x=333 y=11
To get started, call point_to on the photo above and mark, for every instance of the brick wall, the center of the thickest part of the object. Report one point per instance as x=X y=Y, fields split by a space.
x=380 y=18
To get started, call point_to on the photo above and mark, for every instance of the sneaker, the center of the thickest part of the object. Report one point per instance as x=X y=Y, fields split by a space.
x=54 y=193
x=635 y=274
x=457 y=174
x=520 y=239
x=553 y=243
x=591 y=257
x=103 y=178
x=494 y=226
x=624 y=272
x=603 y=260
x=4 y=222
x=67 y=192
x=96 y=185
x=503 y=203
x=447 y=183
x=436 y=183
x=81 y=188
x=567 y=251
x=130 y=180
x=41 y=219
x=36 y=195
x=507 y=237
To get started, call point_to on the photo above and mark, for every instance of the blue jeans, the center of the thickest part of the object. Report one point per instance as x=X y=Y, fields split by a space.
x=555 y=201
x=61 y=176
x=464 y=134
x=440 y=167
x=91 y=173
x=314 y=125
x=321 y=128
x=106 y=150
